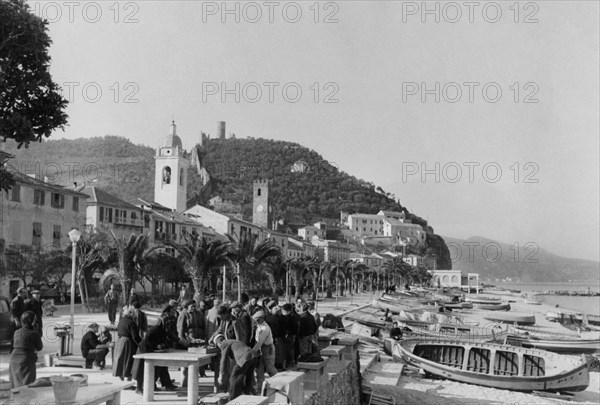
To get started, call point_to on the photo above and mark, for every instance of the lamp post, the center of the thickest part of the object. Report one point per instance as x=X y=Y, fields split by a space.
x=74 y=235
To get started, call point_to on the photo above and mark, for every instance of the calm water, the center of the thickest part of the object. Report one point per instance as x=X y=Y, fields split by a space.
x=588 y=305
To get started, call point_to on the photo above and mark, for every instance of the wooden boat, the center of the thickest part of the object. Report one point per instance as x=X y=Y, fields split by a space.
x=573 y=316
x=424 y=330
x=532 y=302
x=494 y=365
x=558 y=344
x=483 y=300
x=493 y=307
x=458 y=305
x=512 y=318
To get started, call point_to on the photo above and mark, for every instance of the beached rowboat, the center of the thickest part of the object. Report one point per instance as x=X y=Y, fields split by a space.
x=570 y=316
x=557 y=345
x=483 y=300
x=493 y=307
x=512 y=318
x=494 y=365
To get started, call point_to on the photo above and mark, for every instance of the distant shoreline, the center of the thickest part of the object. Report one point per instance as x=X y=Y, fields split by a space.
x=572 y=293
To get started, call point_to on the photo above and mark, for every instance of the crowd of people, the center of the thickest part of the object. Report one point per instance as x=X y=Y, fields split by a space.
x=255 y=338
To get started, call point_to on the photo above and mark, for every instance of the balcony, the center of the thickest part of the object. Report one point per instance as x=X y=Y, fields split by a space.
x=128 y=222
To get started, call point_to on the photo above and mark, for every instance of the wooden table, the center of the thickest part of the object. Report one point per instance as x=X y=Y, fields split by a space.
x=174 y=358
x=99 y=389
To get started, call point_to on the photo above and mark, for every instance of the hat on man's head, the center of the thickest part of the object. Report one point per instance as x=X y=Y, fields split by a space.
x=21 y=289
x=235 y=304
x=173 y=303
x=219 y=337
x=287 y=307
x=258 y=314
x=93 y=325
x=36 y=292
x=223 y=310
x=271 y=304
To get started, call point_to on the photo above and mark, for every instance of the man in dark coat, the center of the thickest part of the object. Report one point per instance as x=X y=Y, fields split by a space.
x=241 y=376
x=35 y=305
x=17 y=307
x=161 y=336
x=276 y=322
x=243 y=322
x=291 y=332
x=92 y=350
x=307 y=327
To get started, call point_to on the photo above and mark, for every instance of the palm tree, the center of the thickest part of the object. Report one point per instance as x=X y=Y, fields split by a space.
x=201 y=258
x=94 y=254
x=394 y=266
x=131 y=255
x=249 y=254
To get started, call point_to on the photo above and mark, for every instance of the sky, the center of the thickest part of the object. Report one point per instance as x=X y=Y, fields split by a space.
x=482 y=117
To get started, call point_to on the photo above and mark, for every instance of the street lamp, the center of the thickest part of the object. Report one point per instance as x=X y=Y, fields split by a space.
x=74 y=235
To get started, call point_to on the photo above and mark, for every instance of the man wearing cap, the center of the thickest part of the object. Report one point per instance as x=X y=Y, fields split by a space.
x=307 y=328
x=242 y=321
x=92 y=350
x=111 y=299
x=265 y=347
x=17 y=307
x=35 y=305
x=291 y=332
x=276 y=322
x=242 y=373
x=161 y=336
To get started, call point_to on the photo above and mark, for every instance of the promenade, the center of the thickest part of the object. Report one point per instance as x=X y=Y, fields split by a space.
x=426 y=391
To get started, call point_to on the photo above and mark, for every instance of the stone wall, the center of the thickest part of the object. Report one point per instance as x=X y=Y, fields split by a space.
x=341 y=389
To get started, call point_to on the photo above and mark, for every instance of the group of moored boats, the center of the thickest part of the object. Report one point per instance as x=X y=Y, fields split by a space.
x=506 y=353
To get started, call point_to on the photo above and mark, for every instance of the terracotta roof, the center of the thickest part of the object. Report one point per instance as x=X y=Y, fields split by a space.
x=33 y=182
x=102 y=197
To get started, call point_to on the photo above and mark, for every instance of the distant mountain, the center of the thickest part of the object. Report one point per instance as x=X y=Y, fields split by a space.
x=495 y=261
x=304 y=186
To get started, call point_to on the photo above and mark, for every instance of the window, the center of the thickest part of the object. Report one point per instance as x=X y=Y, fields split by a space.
x=109 y=210
x=39 y=197
x=75 y=203
x=37 y=234
x=181 y=176
x=58 y=201
x=56 y=236
x=15 y=193
x=133 y=215
x=166 y=175
x=258 y=192
x=101 y=214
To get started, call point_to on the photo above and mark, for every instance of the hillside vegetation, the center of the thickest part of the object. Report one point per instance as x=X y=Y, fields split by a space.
x=127 y=170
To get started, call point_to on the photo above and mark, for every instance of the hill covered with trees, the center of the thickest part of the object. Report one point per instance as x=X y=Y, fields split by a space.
x=304 y=187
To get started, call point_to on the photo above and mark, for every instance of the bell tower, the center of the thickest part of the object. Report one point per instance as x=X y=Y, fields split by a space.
x=261 y=208
x=171 y=170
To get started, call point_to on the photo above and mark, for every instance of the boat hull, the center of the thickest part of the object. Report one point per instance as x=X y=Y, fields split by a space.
x=574 y=379
x=493 y=307
x=519 y=319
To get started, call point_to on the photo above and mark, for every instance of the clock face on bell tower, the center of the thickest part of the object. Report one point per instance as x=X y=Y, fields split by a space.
x=260 y=204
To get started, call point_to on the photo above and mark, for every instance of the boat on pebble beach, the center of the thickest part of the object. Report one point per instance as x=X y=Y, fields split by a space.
x=494 y=365
x=512 y=318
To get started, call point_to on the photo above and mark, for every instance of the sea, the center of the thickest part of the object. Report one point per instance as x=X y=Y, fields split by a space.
x=585 y=304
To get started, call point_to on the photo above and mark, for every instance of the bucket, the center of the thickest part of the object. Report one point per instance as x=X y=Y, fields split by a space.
x=65 y=389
